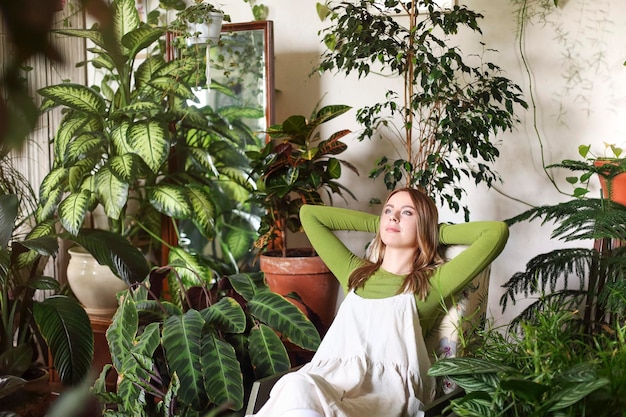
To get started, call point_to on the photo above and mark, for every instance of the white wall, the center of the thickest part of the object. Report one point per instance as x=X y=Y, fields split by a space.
x=591 y=31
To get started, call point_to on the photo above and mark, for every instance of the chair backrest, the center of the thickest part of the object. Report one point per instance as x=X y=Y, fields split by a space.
x=467 y=310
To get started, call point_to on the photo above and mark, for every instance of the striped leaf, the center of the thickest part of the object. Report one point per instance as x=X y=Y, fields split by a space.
x=202 y=209
x=232 y=113
x=84 y=144
x=152 y=310
x=223 y=378
x=71 y=124
x=239 y=238
x=476 y=404
x=122 y=331
x=77 y=97
x=139 y=107
x=125 y=18
x=170 y=85
x=227 y=315
x=147 y=69
x=170 y=200
x=149 y=140
x=65 y=326
x=182 y=336
x=267 y=352
x=575 y=393
x=114 y=251
x=141 y=38
x=73 y=209
x=274 y=310
x=112 y=192
x=193 y=273
x=248 y=284
x=487 y=382
x=127 y=167
x=55 y=179
x=466 y=366
x=93 y=35
x=119 y=139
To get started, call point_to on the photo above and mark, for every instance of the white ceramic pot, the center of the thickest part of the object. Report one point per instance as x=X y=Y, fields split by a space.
x=93 y=284
x=207 y=32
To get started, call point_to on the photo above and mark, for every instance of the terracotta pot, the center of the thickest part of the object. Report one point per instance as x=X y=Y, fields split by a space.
x=94 y=285
x=618 y=184
x=308 y=277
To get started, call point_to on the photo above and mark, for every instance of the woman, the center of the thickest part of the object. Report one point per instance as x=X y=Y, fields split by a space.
x=373 y=361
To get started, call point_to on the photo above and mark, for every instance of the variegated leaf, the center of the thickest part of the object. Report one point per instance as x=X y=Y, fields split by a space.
x=65 y=326
x=223 y=378
x=55 y=180
x=83 y=145
x=71 y=124
x=147 y=69
x=227 y=315
x=248 y=284
x=112 y=192
x=93 y=35
x=126 y=167
x=73 y=209
x=170 y=200
x=193 y=273
x=181 y=341
x=77 y=97
x=202 y=209
x=267 y=352
x=149 y=140
x=278 y=313
x=119 y=137
x=125 y=18
x=141 y=38
x=122 y=331
x=172 y=86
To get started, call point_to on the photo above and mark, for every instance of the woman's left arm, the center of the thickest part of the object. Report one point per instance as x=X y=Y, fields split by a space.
x=485 y=240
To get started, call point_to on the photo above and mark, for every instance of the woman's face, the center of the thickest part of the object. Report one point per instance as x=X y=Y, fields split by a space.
x=398 y=222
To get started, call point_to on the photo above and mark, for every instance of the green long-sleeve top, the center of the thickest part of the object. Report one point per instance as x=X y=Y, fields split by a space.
x=485 y=240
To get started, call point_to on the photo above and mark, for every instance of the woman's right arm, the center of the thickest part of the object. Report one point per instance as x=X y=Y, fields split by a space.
x=319 y=222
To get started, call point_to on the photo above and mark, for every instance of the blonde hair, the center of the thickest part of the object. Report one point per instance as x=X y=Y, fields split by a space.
x=427 y=257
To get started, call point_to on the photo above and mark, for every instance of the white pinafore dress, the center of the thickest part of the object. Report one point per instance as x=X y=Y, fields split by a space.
x=372 y=362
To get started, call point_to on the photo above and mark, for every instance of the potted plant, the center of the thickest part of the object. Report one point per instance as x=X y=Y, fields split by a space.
x=609 y=169
x=29 y=328
x=135 y=145
x=564 y=353
x=451 y=105
x=293 y=169
x=201 y=350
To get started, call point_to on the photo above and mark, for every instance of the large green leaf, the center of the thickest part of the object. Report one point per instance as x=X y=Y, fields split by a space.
x=77 y=97
x=170 y=200
x=74 y=209
x=223 y=378
x=122 y=331
x=267 y=352
x=113 y=250
x=181 y=340
x=71 y=124
x=248 y=284
x=274 y=310
x=8 y=214
x=93 y=35
x=127 y=167
x=112 y=192
x=16 y=360
x=227 y=315
x=467 y=366
x=8 y=385
x=149 y=140
x=65 y=326
x=125 y=18
x=575 y=392
x=194 y=272
x=169 y=85
x=202 y=209
x=147 y=69
x=141 y=38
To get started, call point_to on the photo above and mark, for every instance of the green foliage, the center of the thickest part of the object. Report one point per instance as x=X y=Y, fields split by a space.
x=28 y=328
x=200 y=350
x=546 y=368
x=452 y=103
x=293 y=168
x=139 y=145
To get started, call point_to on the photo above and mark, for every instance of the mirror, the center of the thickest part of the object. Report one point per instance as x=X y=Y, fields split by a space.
x=242 y=62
